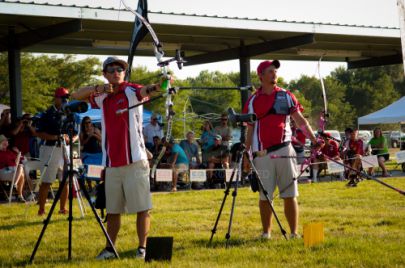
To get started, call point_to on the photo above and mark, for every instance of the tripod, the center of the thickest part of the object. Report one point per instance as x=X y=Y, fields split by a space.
x=70 y=129
x=75 y=181
x=238 y=169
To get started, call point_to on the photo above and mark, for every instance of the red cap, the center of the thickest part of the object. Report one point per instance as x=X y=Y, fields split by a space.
x=267 y=63
x=327 y=134
x=61 y=92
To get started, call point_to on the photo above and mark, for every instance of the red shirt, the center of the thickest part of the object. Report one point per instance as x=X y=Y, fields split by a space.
x=331 y=150
x=299 y=135
x=122 y=138
x=22 y=141
x=7 y=159
x=270 y=129
x=356 y=146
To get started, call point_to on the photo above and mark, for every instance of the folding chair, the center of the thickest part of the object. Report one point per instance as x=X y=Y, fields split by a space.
x=93 y=173
x=17 y=166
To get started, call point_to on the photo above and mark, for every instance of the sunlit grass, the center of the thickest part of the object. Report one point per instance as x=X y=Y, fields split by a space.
x=364 y=227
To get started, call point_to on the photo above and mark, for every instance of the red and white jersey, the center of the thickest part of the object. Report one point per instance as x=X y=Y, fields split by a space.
x=270 y=129
x=332 y=149
x=122 y=138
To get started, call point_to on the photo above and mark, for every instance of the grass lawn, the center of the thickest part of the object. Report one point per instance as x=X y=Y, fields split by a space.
x=364 y=227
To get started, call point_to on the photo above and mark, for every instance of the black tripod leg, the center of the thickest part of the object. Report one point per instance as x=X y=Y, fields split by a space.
x=226 y=193
x=234 y=194
x=48 y=218
x=266 y=194
x=87 y=196
x=70 y=183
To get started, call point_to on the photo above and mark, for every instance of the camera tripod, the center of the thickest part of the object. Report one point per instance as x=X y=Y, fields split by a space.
x=238 y=171
x=69 y=160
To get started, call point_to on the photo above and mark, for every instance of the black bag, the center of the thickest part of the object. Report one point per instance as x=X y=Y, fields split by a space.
x=254 y=184
x=100 y=196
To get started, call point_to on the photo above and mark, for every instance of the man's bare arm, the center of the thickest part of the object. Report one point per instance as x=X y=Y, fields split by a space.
x=303 y=124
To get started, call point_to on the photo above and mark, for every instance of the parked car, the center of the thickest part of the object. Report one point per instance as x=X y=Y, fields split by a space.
x=365 y=135
x=395 y=137
x=335 y=134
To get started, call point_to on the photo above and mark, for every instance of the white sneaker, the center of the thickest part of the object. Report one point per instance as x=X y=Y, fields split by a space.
x=265 y=236
x=295 y=236
x=140 y=253
x=105 y=255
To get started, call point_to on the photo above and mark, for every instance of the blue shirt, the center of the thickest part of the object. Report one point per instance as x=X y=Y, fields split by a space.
x=181 y=155
x=191 y=149
x=207 y=139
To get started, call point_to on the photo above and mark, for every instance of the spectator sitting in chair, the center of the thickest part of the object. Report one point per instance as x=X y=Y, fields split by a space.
x=22 y=134
x=379 y=147
x=157 y=147
x=353 y=153
x=224 y=130
x=206 y=140
x=178 y=161
x=8 y=167
x=154 y=128
x=5 y=122
x=330 y=149
x=191 y=149
x=90 y=141
x=218 y=157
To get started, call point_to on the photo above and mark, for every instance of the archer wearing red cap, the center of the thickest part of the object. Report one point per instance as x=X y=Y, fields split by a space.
x=51 y=153
x=271 y=134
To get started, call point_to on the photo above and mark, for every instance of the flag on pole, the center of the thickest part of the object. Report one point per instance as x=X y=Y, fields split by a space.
x=138 y=34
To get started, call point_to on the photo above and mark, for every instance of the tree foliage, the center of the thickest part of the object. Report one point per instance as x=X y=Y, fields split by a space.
x=350 y=93
x=42 y=74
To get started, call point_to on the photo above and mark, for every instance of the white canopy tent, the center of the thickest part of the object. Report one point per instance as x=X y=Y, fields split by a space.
x=393 y=113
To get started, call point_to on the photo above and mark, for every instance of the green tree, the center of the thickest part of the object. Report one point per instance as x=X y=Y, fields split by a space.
x=340 y=112
x=369 y=89
x=42 y=74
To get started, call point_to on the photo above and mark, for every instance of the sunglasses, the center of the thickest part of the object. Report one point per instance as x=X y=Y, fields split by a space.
x=88 y=122
x=112 y=70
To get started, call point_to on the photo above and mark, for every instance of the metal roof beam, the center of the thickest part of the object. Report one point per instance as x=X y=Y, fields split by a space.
x=377 y=61
x=32 y=37
x=250 y=50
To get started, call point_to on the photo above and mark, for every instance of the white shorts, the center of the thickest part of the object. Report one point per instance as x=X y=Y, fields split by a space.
x=127 y=188
x=55 y=165
x=278 y=172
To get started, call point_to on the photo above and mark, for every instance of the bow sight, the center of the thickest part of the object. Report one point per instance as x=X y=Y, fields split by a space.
x=178 y=58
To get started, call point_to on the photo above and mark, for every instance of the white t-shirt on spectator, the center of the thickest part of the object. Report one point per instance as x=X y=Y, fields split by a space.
x=151 y=131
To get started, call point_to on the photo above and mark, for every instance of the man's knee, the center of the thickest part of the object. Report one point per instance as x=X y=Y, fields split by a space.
x=143 y=214
x=113 y=217
x=290 y=200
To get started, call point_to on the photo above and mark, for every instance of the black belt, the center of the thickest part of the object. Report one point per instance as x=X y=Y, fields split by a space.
x=273 y=148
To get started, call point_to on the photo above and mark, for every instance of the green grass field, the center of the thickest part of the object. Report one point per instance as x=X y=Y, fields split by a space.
x=364 y=227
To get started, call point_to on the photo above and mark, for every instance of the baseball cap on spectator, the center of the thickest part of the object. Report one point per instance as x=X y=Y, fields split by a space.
x=327 y=134
x=111 y=60
x=265 y=64
x=218 y=137
x=61 y=92
x=2 y=138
